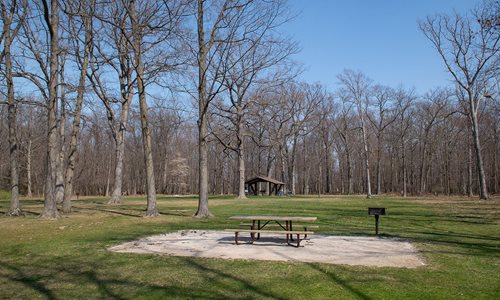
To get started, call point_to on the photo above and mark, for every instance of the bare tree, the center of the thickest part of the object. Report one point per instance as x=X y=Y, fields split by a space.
x=83 y=11
x=51 y=17
x=211 y=51
x=383 y=116
x=358 y=86
x=404 y=101
x=111 y=44
x=247 y=63
x=431 y=112
x=39 y=44
x=469 y=47
x=343 y=124
x=12 y=14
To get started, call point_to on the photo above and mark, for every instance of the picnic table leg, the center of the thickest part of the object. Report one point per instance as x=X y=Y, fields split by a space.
x=253 y=227
x=258 y=227
x=236 y=238
x=298 y=240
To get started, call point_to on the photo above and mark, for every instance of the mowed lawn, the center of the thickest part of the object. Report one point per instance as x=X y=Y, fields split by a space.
x=459 y=239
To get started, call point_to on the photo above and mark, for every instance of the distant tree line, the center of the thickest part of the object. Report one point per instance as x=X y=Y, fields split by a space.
x=194 y=97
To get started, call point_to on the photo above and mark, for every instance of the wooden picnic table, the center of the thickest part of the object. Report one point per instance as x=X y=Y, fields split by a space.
x=260 y=222
x=288 y=220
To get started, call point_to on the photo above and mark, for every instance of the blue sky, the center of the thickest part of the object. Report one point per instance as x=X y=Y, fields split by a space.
x=378 y=37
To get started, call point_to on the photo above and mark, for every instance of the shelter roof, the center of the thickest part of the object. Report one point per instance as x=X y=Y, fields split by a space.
x=263 y=179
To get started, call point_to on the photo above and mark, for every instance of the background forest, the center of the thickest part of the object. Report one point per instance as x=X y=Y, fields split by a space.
x=119 y=98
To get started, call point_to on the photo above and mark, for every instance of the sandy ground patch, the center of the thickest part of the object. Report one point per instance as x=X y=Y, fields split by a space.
x=366 y=251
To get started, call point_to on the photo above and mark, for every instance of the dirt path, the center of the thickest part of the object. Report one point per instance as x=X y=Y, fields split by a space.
x=366 y=251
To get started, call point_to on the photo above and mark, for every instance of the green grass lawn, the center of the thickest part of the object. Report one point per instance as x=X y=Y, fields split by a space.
x=67 y=258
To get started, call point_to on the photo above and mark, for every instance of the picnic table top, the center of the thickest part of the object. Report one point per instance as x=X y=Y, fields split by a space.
x=275 y=218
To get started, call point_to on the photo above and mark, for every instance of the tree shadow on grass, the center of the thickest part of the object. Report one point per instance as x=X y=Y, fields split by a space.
x=81 y=276
x=117 y=212
x=474 y=245
x=218 y=276
x=343 y=283
x=17 y=275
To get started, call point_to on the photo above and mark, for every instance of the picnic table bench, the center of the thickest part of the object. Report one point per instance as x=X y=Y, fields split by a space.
x=258 y=223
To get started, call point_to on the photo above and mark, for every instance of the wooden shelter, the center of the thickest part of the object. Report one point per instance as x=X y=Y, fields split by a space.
x=256 y=188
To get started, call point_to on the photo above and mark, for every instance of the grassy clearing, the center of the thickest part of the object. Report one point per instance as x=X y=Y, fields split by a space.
x=67 y=258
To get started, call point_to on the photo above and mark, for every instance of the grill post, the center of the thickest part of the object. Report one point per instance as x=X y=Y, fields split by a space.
x=376 y=212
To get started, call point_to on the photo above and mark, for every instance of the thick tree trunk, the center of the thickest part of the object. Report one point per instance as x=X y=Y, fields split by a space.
x=241 y=157
x=202 y=211
x=152 y=210
x=483 y=192
x=14 y=209
x=241 y=167
x=52 y=19
x=116 y=196
x=59 y=193
x=126 y=99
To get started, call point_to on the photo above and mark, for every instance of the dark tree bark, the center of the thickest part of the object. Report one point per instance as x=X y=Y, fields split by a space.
x=7 y=16
x=152 y=209
x=86 y=18
x=51 y=15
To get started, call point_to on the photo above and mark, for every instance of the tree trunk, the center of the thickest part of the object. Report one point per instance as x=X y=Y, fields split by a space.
x=422 y=166
x=241 y=157
x=241 y=167
x=14 y=209
x=152 y=210
x=470 y=192
x=483 y=192
x=367 y=163
x=496 y=167
x=165 y=174
x=283 y=169
x=404 y=168
x=447 y=169
x=52 y=19
x=349 y=172
x=62 y=147
x=268 y=172
x=202 y=211
x=75 y=132
x=328 y=168
x=28 y=169
x=108 y=176
x=341 y=171
x=379 y=169
x=293 y=171
x=126 y=99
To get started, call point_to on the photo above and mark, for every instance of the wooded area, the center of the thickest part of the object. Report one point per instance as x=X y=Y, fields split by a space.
x=193 y=97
